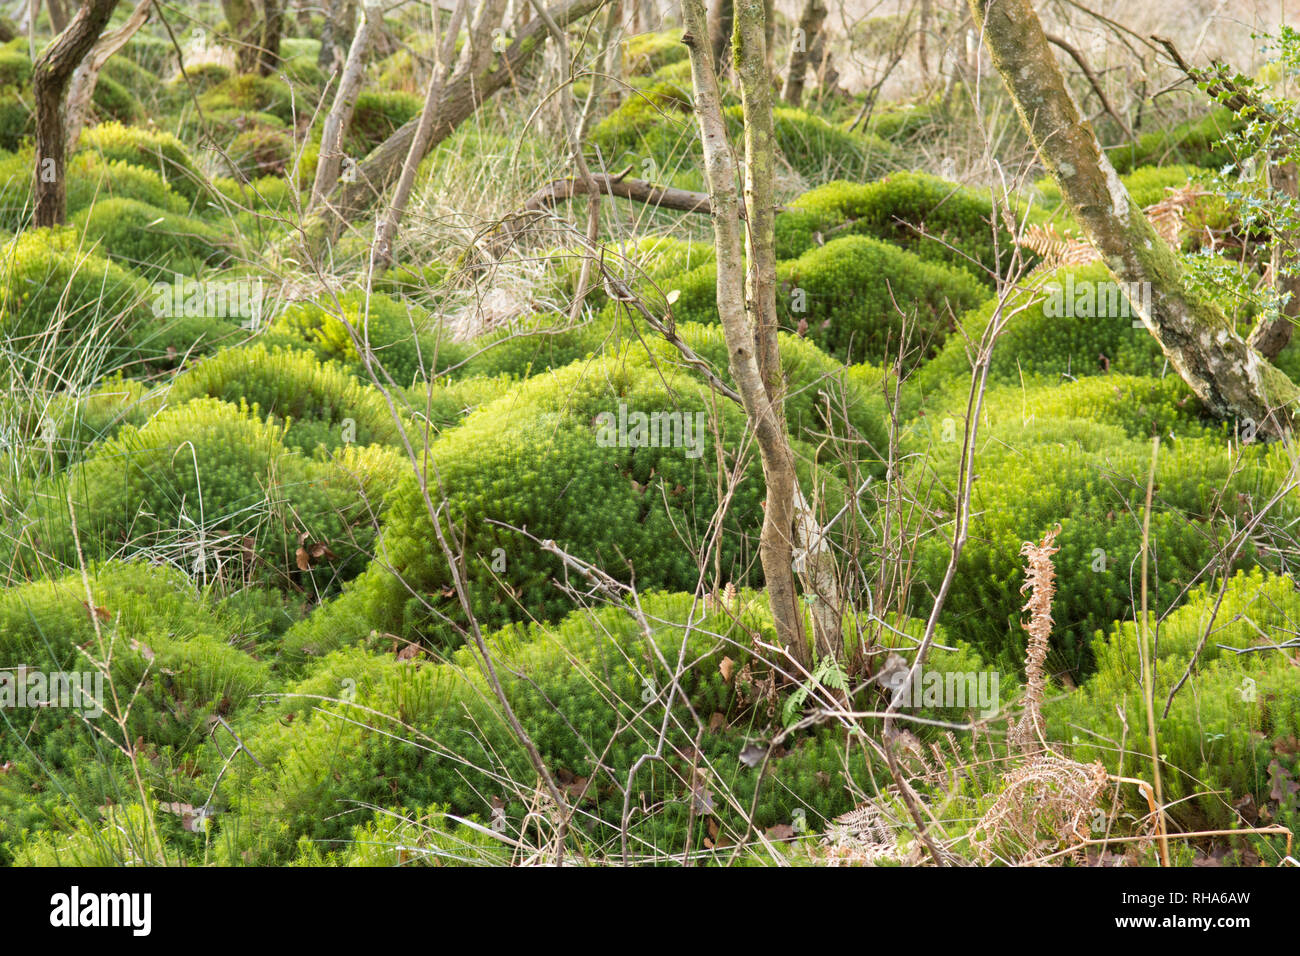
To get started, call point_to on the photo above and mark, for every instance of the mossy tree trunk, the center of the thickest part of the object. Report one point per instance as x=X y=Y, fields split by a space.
x=244 y=27
x=50 y=78
x=805 y=38
x=1232 y=379
x=268 y=57
x=746 y=299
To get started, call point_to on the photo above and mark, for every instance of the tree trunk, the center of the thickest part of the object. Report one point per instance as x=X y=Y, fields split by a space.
x=479 y=75
x=336 y=34
x=1271 y=336
x=721 y=14
x=58 y=15
x=748 y=322
x=245 y=31
x=387 y=228
x=1230 y=377
x=50 y=79
x=806 y=37
x=345 y=101
x=272 y=28
x=82 y=87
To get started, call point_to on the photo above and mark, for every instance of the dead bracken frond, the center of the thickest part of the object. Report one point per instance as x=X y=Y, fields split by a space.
x=1057 y=249
x=861 y=837
x=1048 y=801
x=1040 y=582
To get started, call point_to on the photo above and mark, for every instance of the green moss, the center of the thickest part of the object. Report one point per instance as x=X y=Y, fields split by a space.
x=322 y=403
x=1091 y=478
x=539 y=458
x=587 y=689
x=151 y=239
x=377 y=115
x=209 y=487
x=61 y=304
x=1196 y=141
x=402 y=337
x=1228 y=740
x=250 y=91
x=937 y=220
x=1045 y=342
x=171 y=658
x=152 y=150
x=847 y=294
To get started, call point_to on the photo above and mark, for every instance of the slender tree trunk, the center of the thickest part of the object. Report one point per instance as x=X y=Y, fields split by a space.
x=805 y=39
x=479 y=75
x=50 y=79
x=748 y=322
x=58 y=15
x=1271 y=336
x=387 y=228
x=272 y=28
x=82 y=87
x=242 y=21
x=1230 y=377
x=345 y=101
x=721 y=15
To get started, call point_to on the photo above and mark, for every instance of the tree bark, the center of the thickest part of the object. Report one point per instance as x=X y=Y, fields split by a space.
x=1230 y=377
x=268 y=57
x=1271 y=336
x=808 y=35
x=345 y=101
x=721 y=15
x=50 y=79
x=387 y=228
x=479 y=76
x=242 y=21
x=82 y=87
x=748 y=322
x=336 y=34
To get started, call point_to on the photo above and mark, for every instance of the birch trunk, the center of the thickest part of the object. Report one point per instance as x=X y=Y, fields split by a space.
x=1230 y=377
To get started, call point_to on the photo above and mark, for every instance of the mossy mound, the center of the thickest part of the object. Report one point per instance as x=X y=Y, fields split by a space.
x=151 y=239
x=550 y=456
x=1227 y=743
x=846 y=296
x=321 y=403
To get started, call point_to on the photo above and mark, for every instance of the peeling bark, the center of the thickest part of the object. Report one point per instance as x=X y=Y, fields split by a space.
x=1231 y=378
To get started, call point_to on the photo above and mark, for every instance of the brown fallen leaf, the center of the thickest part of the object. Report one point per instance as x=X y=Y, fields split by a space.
x=781 y=831
x=716 y=720
x=99 y=612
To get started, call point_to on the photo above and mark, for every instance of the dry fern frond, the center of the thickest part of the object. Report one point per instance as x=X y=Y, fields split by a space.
x=1170 y=214
x=1047 y=802
x=1168 y=217
x=861 y=837
x=1040 y=582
